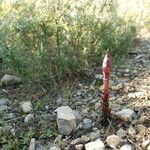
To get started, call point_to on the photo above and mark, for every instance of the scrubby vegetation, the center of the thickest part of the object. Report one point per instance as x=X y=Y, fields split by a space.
x=54 y=39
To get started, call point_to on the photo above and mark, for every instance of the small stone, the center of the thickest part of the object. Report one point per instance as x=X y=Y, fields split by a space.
x=141 y=128
x=58 y=139
x=145 y=144
x=121 y=133
x=96 y=145
x=131 y=95
x=10 y=80
x=77 y=141
x=66 y=120
x=79 y=147
x=119 y=86
x=26 y=106
x=32 y=145
x=85 y=112
x=77 y=116
x=94 y=135
x=113 y=140
x=126 y=114
x=98 y=76
x=28 y=118
x=87 y=123
x=4 y=108
x=10 y=116
x=143 y=119
x=97 y=106
x=4 y=101
x=127 y=147
x=55 y=148
x=131 y=131
x=85 y=138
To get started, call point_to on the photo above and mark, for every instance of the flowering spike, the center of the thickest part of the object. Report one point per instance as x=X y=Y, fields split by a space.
x=106 y=68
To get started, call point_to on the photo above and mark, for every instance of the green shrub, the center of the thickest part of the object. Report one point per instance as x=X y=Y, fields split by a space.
x=54 y=39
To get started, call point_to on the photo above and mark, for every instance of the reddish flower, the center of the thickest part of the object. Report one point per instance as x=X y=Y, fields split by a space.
x=106 y=68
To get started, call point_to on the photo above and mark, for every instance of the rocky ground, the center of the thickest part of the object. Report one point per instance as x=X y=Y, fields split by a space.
x=73 y=120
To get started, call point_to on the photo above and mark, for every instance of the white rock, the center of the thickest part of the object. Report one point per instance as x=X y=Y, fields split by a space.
x=125 y=114
x=131 y=131
x=97 y=106
x=32 y=144
x=121 y=133
x=10 y=80
x=127 y=147
x=98 y=76
x=96 y=145
x=113 y=140
x=4 y=101
x=66 y=120
x=26 y=106
x=55 y=148
x=145 y=143
x=131 y=95
x=28 y=118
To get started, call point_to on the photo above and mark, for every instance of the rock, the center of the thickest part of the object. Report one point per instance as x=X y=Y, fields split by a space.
x=96 y=145
x=85 y=138
x=125 y=114
x=98 y=76
x=131 y=131
x=119 y=86
x=94 y=135
x=121 y=133
x=9 y=116
x=77 y=116
x=26 y=106
x=4 y=108
x=113 y=140
x=55 y=148
x=145 y=144
x=77 y=141
x=66 y=120
x=141 y=129
x=87 y=123
x=97 y=106
x=131 y=95
x=32 y=145
x=10 y=80
x=143 y=119
x=79 y=147
x=28 y=118
x=85 y=112
x=127 y=147
x=4 y=101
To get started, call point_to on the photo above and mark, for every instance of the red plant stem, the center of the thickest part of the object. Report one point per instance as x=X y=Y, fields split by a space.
x=106 y=68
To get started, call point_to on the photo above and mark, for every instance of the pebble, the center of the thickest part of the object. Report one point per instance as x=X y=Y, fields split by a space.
x=32 y=145
x=26 y=106
x=94 y=135
x=66 y=120
x=87 y=123
x=95 y=145
x=131 y=131
x=79 y=147
x=10 y=116
x=127 y=147
x=125 y=114
x=28 y=118
x=4 y=102
x=10 y=80
x=145 y=144
x=121 y=132
x=113 y=140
